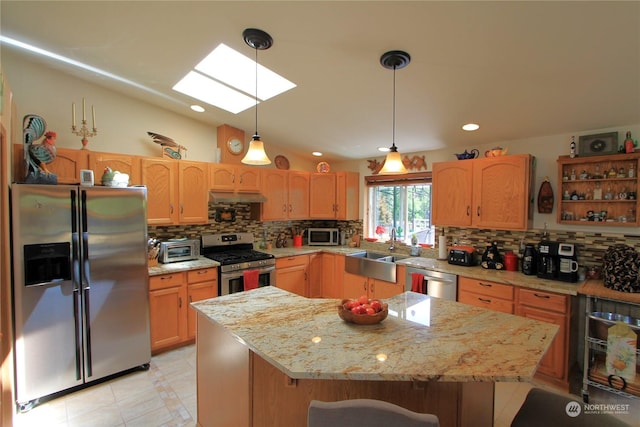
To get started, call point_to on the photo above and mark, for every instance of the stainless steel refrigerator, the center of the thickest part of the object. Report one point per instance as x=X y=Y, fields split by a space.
x=80 y=286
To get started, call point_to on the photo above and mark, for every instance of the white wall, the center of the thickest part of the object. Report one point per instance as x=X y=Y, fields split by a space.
x=122 y=122
x=546 y=151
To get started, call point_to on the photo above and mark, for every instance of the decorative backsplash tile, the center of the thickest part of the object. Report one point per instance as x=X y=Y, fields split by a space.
x=590 y=246
x=244 y=223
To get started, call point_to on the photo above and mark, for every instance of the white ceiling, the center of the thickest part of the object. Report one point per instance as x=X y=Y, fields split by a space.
x=519 y=69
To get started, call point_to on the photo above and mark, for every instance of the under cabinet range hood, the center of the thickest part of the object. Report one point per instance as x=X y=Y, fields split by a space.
x=223 y=197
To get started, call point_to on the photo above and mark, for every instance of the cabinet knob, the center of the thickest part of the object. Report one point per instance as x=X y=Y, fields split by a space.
x=487 y=301
x=486 y=285
x=180 y=302
x=478 y=211
x=541 y=296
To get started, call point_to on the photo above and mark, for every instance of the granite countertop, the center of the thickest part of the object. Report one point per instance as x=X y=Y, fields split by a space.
x=304 y=250
x=596 y=288
x=176 y=267
x=422 y=339
x=515 y=278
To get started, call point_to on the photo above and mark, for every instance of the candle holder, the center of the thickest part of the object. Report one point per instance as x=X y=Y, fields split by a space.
x=84 y=131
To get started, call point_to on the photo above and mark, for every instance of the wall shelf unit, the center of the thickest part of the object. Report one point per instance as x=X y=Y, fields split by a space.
x=599 y=190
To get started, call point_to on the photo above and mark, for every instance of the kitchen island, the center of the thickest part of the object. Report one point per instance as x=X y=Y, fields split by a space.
x=263 y=355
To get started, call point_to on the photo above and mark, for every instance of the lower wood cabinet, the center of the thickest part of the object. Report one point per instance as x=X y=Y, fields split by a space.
x=172 y=321
x=356 y=285
x=201 y=284
x=332 y=275
x=291 y=274
x=486 y=294
x=551 y=308
x=544 y=306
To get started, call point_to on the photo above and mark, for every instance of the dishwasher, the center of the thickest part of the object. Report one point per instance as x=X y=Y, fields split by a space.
x=436 y=283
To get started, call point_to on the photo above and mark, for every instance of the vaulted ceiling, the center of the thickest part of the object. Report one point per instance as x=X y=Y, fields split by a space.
x=518 y=69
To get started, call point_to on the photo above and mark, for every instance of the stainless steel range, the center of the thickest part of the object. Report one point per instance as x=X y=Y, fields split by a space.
x=237 y=260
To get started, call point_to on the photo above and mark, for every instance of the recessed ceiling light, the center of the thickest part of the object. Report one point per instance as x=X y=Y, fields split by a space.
x=471 y=127
x=317 y=153
x=230 y=71
x=384 y=149
x=197 y=108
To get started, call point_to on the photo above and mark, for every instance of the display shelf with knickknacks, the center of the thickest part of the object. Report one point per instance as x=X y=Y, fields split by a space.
x=599 y=190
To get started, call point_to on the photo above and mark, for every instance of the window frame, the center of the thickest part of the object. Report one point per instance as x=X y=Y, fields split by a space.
x=403 y=180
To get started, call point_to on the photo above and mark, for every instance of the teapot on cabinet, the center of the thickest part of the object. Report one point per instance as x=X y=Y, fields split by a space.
x=474 y=153
x=496 y=152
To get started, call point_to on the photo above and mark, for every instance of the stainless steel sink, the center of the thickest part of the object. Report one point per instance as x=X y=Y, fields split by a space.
x=372 y=264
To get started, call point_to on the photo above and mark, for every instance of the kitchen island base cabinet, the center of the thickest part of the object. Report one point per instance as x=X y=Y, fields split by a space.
x=236 y=387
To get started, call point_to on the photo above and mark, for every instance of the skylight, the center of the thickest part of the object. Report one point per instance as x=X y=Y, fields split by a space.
x=226 y=79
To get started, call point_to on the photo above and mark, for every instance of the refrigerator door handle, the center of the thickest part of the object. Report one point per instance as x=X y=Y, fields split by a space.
x=87 y=322
x=78 y=332
x=86 y=281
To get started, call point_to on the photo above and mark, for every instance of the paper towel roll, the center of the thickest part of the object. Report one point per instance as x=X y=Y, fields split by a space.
x=442 y=247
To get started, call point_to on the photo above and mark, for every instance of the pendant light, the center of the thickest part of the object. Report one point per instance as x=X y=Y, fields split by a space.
x=258 y=40
x=394 y=60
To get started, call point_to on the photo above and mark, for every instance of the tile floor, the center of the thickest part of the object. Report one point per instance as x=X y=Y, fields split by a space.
x=165 y=395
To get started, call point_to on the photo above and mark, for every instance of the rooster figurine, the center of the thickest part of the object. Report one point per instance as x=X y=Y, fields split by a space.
x=37 y=156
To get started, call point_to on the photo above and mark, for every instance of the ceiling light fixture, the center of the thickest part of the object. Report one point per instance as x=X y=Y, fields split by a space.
x=394 y=60
x=317 y=154
x=197 y=108
x=259 y=40
x=470 y=127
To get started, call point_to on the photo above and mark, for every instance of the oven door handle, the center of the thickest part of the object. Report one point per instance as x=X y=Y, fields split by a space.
x=240 y=273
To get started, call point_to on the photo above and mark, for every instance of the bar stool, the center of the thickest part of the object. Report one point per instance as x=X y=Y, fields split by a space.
x=365 y=412
x=544 y=408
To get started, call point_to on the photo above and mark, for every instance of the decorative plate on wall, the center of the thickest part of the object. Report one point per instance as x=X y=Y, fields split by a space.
x=281 y=162
x=323 y=167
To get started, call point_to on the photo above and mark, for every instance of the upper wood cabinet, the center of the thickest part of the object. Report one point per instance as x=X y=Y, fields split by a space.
x=483 y=193
x=334 y=196
x=193 y=192
x=66 y=165
x=128 y=164
x=233 y=178
x=287 y=194
x=177 y=191
x=161 y=178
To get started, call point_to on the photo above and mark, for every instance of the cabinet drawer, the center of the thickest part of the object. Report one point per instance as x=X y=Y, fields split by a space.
x=485 y=287
x=166 y=280
x=543 y=300
x=202 y=275
x=292 y=261
x=487 y=302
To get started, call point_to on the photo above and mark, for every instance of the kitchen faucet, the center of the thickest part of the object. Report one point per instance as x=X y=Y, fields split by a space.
x=393 y=239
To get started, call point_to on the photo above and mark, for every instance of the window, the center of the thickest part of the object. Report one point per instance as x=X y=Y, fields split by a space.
x=402 y=202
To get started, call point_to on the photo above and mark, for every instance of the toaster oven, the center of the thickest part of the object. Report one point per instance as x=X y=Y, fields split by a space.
x=463 y=255
x=179 y=250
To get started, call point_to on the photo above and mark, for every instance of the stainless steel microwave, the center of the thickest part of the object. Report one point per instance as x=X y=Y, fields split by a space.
x=323 y=236
x=179 y=250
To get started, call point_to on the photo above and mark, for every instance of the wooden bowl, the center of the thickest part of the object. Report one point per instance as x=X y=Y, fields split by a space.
x=362 y=319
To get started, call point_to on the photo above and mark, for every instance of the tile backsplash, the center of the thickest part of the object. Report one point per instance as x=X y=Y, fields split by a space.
x=244 y=222
x=590 y=246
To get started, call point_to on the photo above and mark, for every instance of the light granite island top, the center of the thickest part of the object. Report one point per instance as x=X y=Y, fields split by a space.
x=426 y=350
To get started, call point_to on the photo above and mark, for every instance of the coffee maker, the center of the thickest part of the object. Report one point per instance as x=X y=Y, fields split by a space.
x=548 y=260
x=557 y=261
